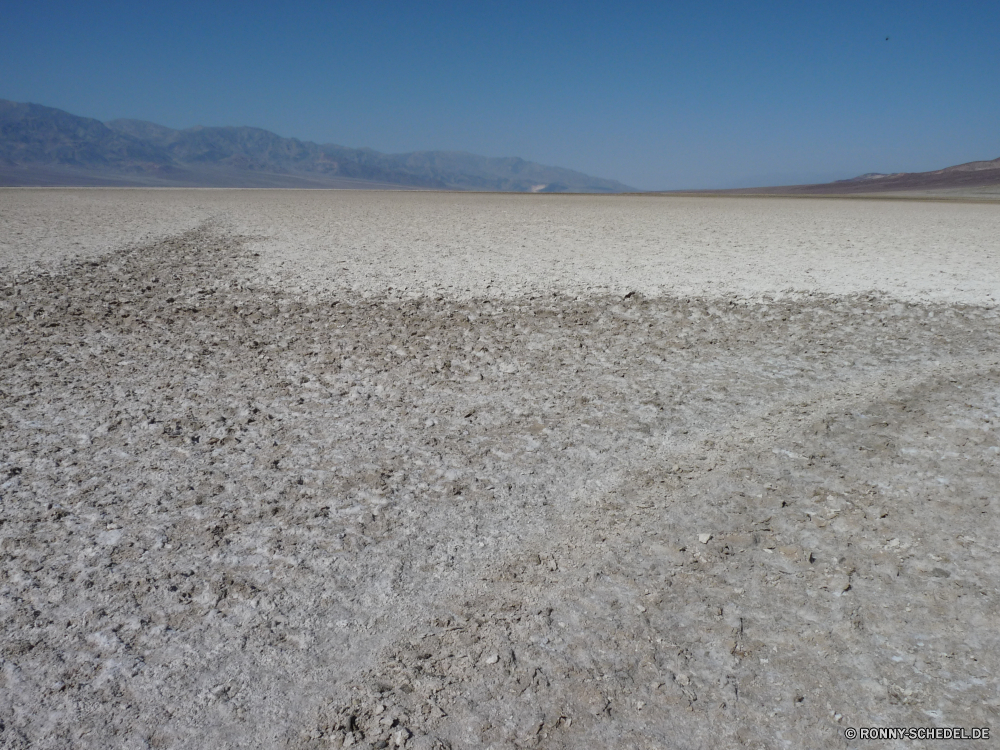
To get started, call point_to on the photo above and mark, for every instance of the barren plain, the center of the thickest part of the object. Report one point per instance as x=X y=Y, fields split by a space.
x=315 y=469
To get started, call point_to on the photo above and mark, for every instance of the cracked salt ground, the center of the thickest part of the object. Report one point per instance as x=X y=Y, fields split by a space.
x=236 y=517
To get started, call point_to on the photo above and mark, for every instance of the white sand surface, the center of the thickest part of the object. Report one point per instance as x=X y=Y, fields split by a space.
x=251 y=497
x=41 y=227
x=467 y=245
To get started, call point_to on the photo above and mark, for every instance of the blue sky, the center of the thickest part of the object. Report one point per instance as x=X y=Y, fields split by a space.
x=658 y=95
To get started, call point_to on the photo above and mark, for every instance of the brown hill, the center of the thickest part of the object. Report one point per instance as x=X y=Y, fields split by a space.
x=974 y=174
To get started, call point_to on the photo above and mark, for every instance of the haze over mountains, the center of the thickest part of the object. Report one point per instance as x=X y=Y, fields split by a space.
x=45 y=146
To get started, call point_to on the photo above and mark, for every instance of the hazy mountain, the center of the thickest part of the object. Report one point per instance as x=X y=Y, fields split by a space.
x=42 y=145
x=33 y=134
x=476 y=172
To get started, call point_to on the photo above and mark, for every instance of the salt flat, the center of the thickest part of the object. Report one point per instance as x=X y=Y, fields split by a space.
x=464 y=245
x=321 y=469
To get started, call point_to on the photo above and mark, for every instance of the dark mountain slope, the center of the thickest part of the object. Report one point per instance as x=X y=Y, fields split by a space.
x=33 y=134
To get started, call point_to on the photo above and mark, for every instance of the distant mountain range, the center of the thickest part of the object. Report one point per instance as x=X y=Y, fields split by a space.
x=972 y=175
x=46 y=146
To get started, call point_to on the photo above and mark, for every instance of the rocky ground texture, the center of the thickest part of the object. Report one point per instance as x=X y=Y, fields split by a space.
x=236 y=517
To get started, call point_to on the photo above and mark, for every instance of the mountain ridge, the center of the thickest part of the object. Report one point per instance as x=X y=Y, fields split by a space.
x=44 y=145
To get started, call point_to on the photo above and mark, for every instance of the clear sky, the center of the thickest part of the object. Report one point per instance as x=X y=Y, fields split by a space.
x=659 y=95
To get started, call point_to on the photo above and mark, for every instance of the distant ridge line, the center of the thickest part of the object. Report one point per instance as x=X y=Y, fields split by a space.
x=42 y=145
x=973 y=174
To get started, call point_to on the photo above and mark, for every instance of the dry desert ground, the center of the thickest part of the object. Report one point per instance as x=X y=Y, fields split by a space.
x=312 y=469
